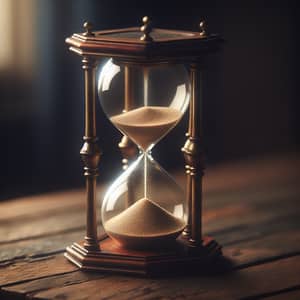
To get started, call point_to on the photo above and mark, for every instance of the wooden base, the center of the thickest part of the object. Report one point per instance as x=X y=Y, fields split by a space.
x=114 y=258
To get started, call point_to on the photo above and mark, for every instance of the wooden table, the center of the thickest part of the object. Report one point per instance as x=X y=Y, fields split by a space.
x=252 y=208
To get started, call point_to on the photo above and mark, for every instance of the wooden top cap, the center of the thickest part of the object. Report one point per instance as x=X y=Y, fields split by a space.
x=144 y=43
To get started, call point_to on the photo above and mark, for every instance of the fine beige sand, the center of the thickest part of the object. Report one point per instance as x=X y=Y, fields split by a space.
x=146 y=125
x=144 y=224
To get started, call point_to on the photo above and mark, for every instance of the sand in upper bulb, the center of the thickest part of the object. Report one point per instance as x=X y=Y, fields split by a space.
x=146 y=125
x=144 y=224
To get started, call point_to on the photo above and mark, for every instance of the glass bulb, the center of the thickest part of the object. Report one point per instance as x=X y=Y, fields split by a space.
x=144 y=207
x=144 y=211
x=144 y=102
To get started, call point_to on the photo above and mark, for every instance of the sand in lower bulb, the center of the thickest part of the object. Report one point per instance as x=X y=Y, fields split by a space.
x=144 y=224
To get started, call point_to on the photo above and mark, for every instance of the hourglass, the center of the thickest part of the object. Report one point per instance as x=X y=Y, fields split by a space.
x=148 y=79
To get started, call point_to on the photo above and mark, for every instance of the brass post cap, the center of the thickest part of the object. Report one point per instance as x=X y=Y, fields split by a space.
x=146 y=30
x=203 y=28
x=88 y=26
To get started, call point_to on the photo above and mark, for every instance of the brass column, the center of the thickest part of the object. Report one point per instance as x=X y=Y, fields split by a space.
x=187 y=230
x=127 y=147
x=194 y=157
x=90 y=152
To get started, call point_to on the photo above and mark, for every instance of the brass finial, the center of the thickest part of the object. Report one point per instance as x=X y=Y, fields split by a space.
x=88 y=26
x=203 y=28
x=146 y=29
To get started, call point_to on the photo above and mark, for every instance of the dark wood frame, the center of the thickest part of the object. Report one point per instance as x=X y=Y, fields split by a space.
x=186 y=47
x=176 y=260
x=191 y=250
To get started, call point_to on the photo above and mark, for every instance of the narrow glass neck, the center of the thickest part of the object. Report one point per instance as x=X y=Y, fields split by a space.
x=147 y=153
x=148 y=150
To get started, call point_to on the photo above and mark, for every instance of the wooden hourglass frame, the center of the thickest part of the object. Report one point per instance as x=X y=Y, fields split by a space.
x=145 y=45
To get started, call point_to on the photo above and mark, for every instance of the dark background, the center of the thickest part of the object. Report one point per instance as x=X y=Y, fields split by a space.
x=250 y=107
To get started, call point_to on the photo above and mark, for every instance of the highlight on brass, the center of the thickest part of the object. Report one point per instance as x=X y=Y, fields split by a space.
x=203 y=28
x=146 y=29
x=88 y=26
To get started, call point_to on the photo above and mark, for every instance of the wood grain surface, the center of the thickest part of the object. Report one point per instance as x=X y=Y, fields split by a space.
x=251 y=207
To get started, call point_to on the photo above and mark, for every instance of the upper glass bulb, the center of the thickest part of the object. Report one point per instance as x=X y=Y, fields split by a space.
x=144 y=101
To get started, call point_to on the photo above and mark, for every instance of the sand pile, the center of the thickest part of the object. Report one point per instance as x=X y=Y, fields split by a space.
x=146 y=125
x=144 y=224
